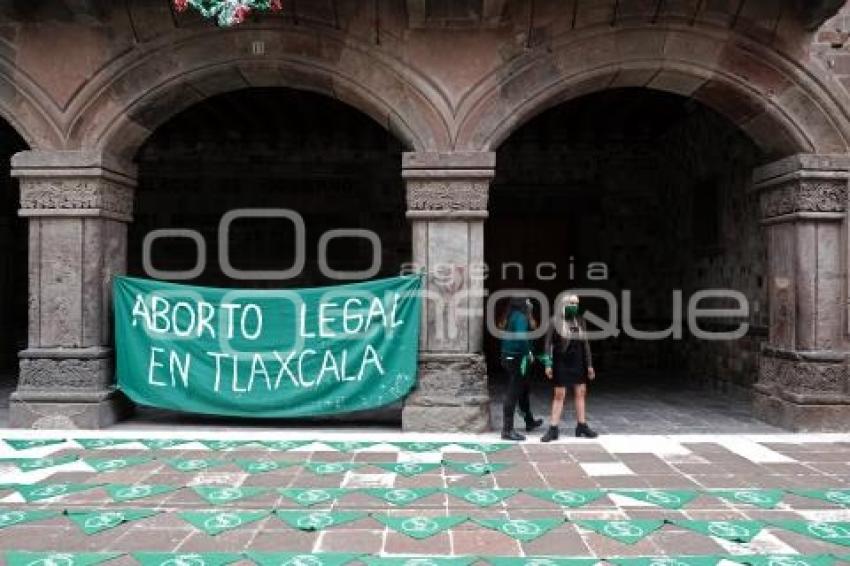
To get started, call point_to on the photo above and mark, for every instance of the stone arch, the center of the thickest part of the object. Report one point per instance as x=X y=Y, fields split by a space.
x=119 y=108
x=28 y=109
x=784 y=107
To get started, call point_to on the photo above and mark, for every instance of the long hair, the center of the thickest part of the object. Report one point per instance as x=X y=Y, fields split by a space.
x=562 y=322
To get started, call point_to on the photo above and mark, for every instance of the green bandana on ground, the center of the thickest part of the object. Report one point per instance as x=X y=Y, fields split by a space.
x=764 y=498
x=216 y=522
x=189 y=559
x=736 y=530
x=628 y=532
x=401 y=496
x=295 y=559
x=92 y=522
x=262 y=466
x=163 y=443
x=220 y=445
x=9 y=517
x=486 y=448
x=669 y=499
x=19 y=558
x=193 y=464
x=313 y=496
x=317 y=520
x=538 y=561
x=837 y=496
x=418 y=446
x=785 y=560
x=521 y=529
x=267 y=353
x=481 y=497
x=418 y=560
x=30 y=464
x=119 y=493
x=347 y=445
x=327 y=468
x=94 y=443
x=670 y=561
x=834 y=532
x=218 y=495
x=475 y=468
x=109 y=464
x=567 y=497
x=284 y=445
x=407 y=468
x=22 y=444
x=419 y=527
x=37 y=492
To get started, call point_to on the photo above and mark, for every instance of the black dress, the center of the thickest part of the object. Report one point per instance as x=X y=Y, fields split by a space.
x=570 y=354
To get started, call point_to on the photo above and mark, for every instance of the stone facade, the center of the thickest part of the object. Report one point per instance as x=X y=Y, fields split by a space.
x=86 y=85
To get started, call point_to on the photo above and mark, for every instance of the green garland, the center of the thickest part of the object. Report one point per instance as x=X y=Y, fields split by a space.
x=228 y=12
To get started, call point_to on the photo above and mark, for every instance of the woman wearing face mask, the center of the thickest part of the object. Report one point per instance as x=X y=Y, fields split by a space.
x=568 y=364
x=516 y=358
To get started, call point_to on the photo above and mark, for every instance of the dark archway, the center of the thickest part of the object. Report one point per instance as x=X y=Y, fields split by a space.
x=654 y=186
x=13 y=268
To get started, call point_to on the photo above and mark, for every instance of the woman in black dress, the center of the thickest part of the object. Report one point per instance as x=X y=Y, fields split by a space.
x=568 y=364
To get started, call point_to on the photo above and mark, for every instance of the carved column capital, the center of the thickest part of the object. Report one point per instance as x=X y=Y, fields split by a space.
x=448 y=185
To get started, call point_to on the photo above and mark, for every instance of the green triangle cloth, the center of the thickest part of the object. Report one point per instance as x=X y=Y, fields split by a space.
x=418 y=446
x=9 y=517
x=407 y=468
x=347 y=445
x=93 y=443
x=401 y=496
x=92 y=522
x=837 y=532
x=567 y=497
x=284 y=445
x=219 y=495
x=764 y=498
x=30 y=464
x=219 y=445
x=37 y=492
x=418 y=560
x=296 y=559
x=837 y=496
x=785 y=560
x=708 y=560
x=475 y=468
x=119 y=492
x=189 y=559
x=668 y=499
x=327 y=468
x=628 y=532
x=420 y=527
x=736 y=530
x=317 y=520
x=163 y=443
x=481 y=497
x=262 y=466
x=538 y=561
x=485 y=447
x=312 y=496
x=26 y=444
x=216 y=522
x=521 y=529
x=193 y=464
x=109 y=464
x=20 y=558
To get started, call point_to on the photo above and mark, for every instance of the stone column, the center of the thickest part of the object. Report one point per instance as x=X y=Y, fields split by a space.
x=78 y=204
x=447 y=205
x=803 y=380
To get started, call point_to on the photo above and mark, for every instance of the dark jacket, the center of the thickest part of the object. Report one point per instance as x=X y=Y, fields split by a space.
x=554 y=339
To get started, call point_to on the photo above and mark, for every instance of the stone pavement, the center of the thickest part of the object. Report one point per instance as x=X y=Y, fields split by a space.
x=697 y=463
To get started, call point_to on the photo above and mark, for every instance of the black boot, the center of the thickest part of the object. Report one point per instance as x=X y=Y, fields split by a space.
x=531 y=423
x=583 y=430
x=512 y=435
x=551 y=434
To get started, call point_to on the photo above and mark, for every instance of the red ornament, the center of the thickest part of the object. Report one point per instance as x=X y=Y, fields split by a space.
x=181 y=5
x=240 y=13
x=276 y=5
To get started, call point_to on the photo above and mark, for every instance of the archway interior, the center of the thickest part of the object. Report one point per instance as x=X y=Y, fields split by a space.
x=269 y=148
x=13 y=267
x=654 y=186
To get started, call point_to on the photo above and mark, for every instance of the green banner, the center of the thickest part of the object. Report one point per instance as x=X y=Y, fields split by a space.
x=296 y=559
x=669 y=499
x=193 y=464
x=538 y=561
x=400 y=495
x=30 y=464
x=521 y=529
x=91 y=522
x=37 y=492
x=329 y=468
x=420 y=527
x=26 y=444
x=735 y=530
x=567 y=497
x=418 y=560
x=317 y=520
x=481 y=497
x=475 y=468
x=837 y=496
x=407 y=468
x=785 y=560
x=267 y=353
x=163 y=443
x=262 y=466
x=313 y=496
x=187 y=559
x=109 y=464
x=835 y=532
x=669 y=561
x=21 y=558
x=218 y=495
x=119 y=493
x=9 y=517
x=764 y=498
x=628 y=532
x=216 y=522
x=95 y=443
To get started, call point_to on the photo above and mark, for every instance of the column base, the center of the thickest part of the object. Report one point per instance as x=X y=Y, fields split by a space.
x=801 y=417
x=451 y=395
x=61 y=410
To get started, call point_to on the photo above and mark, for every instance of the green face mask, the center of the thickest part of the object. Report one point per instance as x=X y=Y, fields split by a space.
x=571 y=310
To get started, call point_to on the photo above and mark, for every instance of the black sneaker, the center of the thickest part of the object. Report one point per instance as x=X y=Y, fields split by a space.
x=512 y=435
x=583 y=430
x=551 y=434
x=533 y=424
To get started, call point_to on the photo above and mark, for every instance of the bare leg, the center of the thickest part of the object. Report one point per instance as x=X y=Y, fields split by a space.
x=581 y=395
x=557 y=405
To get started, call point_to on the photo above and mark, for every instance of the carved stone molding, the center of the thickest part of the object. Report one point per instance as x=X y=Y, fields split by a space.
x=65 y=375
x=447 y=195
x=804 y=195
x=49 y=196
